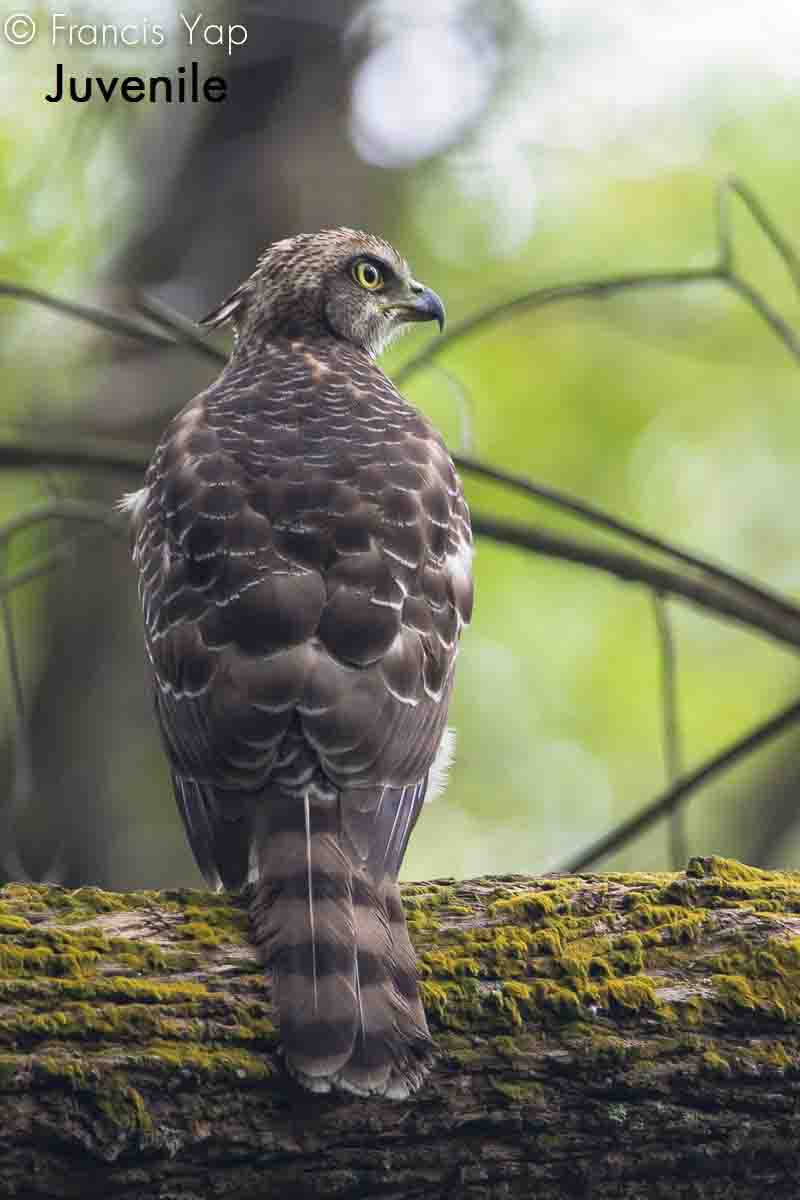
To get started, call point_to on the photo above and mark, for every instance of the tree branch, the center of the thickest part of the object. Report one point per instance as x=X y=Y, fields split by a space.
x=100 y=318
x=670 y=725
x=723 y=272
x=593 y=515
x=778 y=619
x=666 y=803
x=592 y=1034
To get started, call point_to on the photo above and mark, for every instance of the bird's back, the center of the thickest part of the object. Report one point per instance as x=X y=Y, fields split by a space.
x=304 y=555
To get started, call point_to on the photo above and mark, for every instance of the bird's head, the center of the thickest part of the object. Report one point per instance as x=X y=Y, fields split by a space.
x=338 y=282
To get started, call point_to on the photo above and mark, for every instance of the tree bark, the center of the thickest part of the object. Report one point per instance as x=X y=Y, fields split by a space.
x=600 y=1035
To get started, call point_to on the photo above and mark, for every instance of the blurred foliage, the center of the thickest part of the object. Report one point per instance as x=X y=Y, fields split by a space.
x=677 y=408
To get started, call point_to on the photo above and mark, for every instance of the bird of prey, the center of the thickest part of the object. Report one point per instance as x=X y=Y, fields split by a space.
x=304 y=557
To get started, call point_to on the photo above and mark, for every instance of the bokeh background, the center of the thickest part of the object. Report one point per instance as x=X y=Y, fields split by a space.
x=501 y=145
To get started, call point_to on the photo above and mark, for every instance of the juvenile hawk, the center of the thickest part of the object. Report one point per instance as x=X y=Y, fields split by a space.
x=304 y=551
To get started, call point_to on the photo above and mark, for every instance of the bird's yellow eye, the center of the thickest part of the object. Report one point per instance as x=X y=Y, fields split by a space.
x=368 y=275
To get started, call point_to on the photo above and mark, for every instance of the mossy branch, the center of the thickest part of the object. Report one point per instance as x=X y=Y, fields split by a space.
x=617 y=1035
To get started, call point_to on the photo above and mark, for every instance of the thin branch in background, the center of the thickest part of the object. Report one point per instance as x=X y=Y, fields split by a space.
x=185 y=331
x=593 y=515
x=777 y=324
x=785 y=250
x=671 y=731
x=20 y=447
x=542 y=297
x=82 y=511
x=23 y=783
x=463 y=400
x=100 y=318
x=58 y=556
x=706 y=593
x=721 y=272
x=44 y=565
x=665 y=804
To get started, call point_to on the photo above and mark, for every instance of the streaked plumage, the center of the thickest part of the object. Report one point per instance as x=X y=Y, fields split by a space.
x=304 y=549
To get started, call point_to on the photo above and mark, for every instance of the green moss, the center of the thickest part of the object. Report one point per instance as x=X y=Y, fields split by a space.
x=71 y=905
x=729 y=869
x=598 y=968
x=610 y=1052
x=434 y=998
x=420 y=920
x=632 y=995
x=550 y=999
x=112 y=987
x=665 y=923
x=9 y=1072
x=715 y=1064
x=81 y=1021
x=148 y=956
x=124 y=1106
x=11 y=924
x=205 y=1061
x=531 y=906
x=202 y=933
x=16 y=960
x=563 y=956
x=462 y=1050
x=547 y=941
x=59 y=1067
x=627 y=957
x=520 y=991
x=516 y=1091
x=230 y=922
x=574 y=967
x=506 y=1047
x=448 y=963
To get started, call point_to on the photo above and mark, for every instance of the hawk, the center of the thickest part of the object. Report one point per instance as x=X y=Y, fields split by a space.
x=304 y=557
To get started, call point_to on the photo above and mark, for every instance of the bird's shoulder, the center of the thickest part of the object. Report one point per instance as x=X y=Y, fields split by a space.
x=305 y=485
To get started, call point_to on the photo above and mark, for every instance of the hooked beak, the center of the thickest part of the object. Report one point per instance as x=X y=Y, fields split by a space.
x=424 y=305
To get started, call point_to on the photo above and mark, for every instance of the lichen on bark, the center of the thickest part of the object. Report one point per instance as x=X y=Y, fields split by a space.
x=628 y=1035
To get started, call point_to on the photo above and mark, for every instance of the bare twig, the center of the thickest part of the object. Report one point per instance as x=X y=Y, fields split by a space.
x=723 y=272
x=22 y=787
x=593 y=515
x=771 y=619
x=185 y=332
x=101 y=318
x=464 y=406
x=785 y=250
x=671 y=732
x=585 y=289
x=41 y=566
x=82 y=511
x=781 y=328
x=664 y=804
x=24 y=448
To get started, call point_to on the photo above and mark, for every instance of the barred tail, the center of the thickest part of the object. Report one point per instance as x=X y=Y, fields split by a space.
x=343 y=969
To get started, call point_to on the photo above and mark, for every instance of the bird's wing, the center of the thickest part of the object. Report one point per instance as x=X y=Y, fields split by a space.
x=304 y=555
x=216 y=600
x=399 y=591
